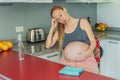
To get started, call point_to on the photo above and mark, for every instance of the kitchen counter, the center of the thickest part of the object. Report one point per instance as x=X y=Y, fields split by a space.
x=33 y=68
x=38 y=49
x=108 y=34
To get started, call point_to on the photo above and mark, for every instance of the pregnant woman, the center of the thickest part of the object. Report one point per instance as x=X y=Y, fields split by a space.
x=66 y=29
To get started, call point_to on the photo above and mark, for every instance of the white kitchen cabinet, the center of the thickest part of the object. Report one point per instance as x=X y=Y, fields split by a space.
x=51 y=57
x=82 y=1
x=88 y=1
x=106 y=0
x=110 y=62
x=9 y=1
x=39 y=1
x=103 y=44
x=26 y=1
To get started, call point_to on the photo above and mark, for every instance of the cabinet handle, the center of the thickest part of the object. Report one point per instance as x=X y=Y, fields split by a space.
x=113 y=42
x=52 y=55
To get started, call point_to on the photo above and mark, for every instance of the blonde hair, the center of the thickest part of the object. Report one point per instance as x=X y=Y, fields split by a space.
x=60 y=29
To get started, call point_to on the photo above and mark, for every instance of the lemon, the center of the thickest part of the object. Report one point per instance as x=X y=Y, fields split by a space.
x=98 y=28
x=1 y=44
x=4 y=47
x=10 y=44
x=4 y=42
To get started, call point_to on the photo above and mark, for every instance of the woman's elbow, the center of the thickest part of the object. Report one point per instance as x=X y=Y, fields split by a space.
x=47 y=46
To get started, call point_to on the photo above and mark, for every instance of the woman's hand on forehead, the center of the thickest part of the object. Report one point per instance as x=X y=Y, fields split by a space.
x=54 y=22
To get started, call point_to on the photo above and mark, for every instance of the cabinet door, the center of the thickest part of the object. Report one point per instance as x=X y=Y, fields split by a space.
x=106 y=0
x=103 y=44
x=82 y=1
x=113 y=59
x=9 y=1
x=111 y=66
x=27 y=1
x=88 y=1
x=40 y=1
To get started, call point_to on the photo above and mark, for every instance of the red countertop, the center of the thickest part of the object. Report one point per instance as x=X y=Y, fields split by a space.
x=33 y=68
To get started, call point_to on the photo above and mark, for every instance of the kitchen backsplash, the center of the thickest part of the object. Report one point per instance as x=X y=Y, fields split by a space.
x=109 y=13
x=37 y=15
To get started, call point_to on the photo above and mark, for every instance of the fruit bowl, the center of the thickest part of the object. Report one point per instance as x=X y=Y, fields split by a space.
x=101 y=26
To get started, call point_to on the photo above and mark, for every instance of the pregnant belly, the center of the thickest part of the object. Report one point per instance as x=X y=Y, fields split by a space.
x=73 y=51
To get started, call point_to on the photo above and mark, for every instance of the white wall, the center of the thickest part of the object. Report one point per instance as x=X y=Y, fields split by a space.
x=37 y=15
x=109 y=13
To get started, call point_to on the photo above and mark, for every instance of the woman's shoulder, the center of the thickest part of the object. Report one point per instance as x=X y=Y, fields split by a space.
x=83 y=20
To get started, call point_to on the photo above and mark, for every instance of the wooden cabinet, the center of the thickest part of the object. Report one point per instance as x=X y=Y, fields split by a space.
x=88 y=1
x=26 y=1
x=110 y=64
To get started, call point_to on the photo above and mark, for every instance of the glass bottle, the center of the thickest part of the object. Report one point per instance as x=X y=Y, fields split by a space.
x=20 y=47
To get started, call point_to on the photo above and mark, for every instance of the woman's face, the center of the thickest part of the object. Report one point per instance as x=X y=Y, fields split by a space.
x=61 y=16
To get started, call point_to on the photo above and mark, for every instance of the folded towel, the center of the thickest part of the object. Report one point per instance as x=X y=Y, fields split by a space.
x=68 y=70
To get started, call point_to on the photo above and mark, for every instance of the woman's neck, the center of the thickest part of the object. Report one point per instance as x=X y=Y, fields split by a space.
x=70 y=22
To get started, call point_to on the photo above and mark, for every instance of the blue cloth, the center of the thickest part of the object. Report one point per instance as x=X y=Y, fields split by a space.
x=72 y=71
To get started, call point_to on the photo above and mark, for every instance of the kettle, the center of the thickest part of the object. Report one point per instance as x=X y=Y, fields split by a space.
x=35 y=35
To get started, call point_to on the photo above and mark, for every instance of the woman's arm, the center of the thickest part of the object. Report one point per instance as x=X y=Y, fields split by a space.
x=52 y=36
x=51 y=39
x=87 y=28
